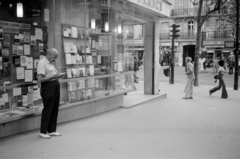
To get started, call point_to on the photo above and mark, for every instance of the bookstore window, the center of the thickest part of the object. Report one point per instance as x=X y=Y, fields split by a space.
x=92 y=59
x=23 y=41
x=94 y=65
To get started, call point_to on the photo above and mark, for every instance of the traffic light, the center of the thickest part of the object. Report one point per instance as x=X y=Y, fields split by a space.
x=204 y=35
x=175 y=30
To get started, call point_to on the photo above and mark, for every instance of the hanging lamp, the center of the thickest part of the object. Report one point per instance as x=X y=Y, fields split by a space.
x=19 y=10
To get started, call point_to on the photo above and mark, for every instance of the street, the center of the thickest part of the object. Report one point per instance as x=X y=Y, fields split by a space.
x=205 y=78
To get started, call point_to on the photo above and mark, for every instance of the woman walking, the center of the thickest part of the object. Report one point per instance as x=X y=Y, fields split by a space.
x=221 y=81
x=190 y=79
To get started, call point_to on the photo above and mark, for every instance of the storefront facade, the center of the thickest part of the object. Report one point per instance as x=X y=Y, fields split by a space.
x=88 y=37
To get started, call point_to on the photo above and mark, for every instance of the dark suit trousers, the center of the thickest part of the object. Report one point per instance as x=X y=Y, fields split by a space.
x=230 y=70
x=50 y=92
x=221 y=85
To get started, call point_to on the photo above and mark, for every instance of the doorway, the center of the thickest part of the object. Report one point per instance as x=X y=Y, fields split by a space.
x=188 y=51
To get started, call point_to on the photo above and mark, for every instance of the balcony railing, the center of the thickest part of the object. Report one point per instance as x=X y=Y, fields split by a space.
x=183 y=35
x=191 y=35
x=187 y=12
x=217 y=35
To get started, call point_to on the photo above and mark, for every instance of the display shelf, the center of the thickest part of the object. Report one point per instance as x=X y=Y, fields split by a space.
x=29 y=113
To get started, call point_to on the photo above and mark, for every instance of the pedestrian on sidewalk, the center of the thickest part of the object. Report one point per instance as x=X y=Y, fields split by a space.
x=221 y=81
x=230 y=66
x=136 y=68
x=48 y=77
x=190 y=79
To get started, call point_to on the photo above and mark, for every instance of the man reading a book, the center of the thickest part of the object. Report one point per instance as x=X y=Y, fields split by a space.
x=48 y=76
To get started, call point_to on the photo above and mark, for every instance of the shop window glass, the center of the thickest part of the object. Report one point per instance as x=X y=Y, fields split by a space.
x=92 y=56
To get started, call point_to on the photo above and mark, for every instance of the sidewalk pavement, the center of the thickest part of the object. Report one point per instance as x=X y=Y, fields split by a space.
x=206 y=127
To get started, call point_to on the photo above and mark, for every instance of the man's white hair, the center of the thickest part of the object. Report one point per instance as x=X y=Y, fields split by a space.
x=189 y=59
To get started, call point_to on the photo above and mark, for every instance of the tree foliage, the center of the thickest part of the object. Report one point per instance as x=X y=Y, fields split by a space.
x=213 y=6
x=229 y=12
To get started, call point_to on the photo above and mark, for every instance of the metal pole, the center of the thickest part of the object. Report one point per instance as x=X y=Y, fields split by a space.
x=236 y=51
x=172 y=59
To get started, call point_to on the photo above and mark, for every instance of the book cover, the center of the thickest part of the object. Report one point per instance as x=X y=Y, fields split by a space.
x=80 y=84
x=68 y=59
x=26 y=49
x=5 y=55
x=92 y=83
x=74 y=72
x=6 y=40
x=82 y=71
x=69 y=73
x=66 y=32
x=72 y=96
x=13 y=102
x=20 y=50
x=16 y=40
x=19 y=101
x=72 y=86
x=41 y=47
x=83 y=94
x=75 y=50
x=7 y=106
x=6 y=69
x=33 y=40
x=80 y=33
x=26 y=37
x=91 y=70
x=88 y=93
x=96 y=83
x=66 y=48
x=20 y=73
x=30 y=98
x=73 y=58
x=87 y=84
x=36 y=52
x=24 y=100
x=70 y=47
x=14 y=49
x=21 y=37
x=93 y=93
x=79 y=95
x=74 y=31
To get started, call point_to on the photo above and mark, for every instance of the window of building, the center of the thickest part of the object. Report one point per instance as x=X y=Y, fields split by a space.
x=190 y=28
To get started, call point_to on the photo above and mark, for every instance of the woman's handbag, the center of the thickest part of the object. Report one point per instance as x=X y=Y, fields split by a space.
x=166 y=71
x=216 y=78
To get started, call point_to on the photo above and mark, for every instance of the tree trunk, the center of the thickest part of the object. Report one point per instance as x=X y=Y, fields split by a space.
x=198 y=43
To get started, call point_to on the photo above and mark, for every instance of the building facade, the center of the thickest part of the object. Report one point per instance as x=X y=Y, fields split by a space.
x=217 y=31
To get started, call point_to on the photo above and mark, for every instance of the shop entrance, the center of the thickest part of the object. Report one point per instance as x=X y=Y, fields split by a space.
x=188 y=51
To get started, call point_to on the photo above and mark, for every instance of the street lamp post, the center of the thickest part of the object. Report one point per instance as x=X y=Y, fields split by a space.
x=236 y=51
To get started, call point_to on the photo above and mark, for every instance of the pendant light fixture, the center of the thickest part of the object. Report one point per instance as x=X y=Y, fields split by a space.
x=93 y=23
x=119 y=29
x=106 y=27
x=19 y=10
x=46 y=15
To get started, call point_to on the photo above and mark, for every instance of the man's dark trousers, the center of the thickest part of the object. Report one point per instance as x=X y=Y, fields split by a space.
x=50 y=92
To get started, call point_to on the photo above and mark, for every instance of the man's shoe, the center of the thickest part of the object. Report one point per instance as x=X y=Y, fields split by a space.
x=185 y=98
x=45 y=136
x=55 y=134
x=190 y=98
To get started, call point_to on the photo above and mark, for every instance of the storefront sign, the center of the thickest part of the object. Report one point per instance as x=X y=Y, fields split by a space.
x=133 y=42
x=208 y=43
x=229 y=44
x=158 y=6
x=168 y=44
x=12 y=27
